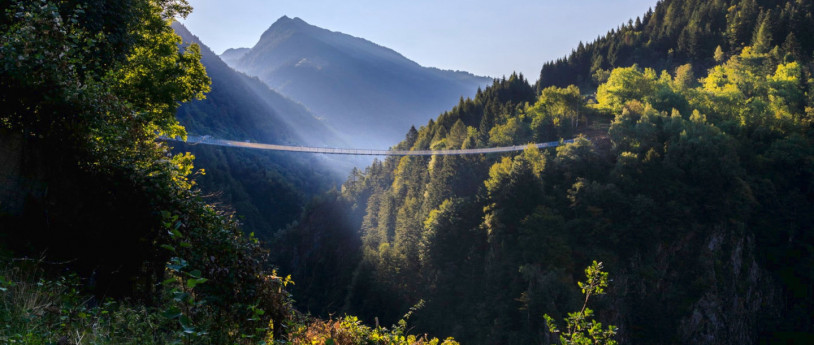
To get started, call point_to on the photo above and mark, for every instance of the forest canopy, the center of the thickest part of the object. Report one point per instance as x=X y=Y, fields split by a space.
x=682 y=186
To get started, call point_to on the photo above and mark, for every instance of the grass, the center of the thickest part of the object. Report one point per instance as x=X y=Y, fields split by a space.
x=37 y=310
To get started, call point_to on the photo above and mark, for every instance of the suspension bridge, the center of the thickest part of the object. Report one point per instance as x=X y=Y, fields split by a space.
x=208 y=140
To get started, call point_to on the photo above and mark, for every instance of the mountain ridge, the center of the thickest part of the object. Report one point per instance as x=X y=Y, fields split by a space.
x=352 y=83
x=297 y=24
x=262 y=113
x=233 y=54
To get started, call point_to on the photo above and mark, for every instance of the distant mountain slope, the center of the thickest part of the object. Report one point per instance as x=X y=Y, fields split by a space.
x=356 y=85
x=267 y=190
x=240 y=107
x=230 y=56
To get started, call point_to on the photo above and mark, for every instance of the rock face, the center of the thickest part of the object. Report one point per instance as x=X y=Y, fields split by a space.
x=701 y=289
x=355 y=85
x=741 y=291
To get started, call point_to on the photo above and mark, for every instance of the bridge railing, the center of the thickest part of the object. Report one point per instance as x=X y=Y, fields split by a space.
x=209 y=140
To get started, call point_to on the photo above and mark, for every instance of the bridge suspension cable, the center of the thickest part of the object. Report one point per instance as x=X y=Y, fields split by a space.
x=208 y=140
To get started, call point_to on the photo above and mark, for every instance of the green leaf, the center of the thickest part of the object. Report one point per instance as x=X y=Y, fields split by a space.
x=179 y=296
x=175 y=233
x=186 y=324
x=172 y=312
x=192 y=283
x=177 y=264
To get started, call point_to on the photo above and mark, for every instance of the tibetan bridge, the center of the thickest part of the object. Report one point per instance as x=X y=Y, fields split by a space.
x=208 y=140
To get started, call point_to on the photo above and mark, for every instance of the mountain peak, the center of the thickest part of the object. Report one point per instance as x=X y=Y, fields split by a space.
x=286 y=25
x=288 y=22
x=351 y=81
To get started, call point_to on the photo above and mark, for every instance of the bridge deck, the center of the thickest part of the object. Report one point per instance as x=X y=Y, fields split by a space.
x=207 y=140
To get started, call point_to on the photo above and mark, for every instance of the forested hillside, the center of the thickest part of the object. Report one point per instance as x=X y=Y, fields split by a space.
x=693 y=184
x=702 y=33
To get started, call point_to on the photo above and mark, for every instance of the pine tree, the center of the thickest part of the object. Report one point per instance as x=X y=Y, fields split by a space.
x=719 y=54
x=791 y=48
x=762 y=38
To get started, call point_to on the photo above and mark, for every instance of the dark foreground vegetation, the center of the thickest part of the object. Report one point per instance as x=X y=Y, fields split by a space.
x=131 y=253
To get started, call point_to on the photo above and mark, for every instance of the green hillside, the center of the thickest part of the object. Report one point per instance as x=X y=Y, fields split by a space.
x=674 y=33
x=695 y=193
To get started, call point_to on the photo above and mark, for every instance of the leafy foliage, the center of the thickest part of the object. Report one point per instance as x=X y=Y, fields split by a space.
x=38 y=310
x=85 y=95
x=350 y=330
x=92 y=132
x=675 y=33
x=580 y=329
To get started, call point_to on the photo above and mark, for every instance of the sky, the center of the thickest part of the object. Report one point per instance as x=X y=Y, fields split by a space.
x=491 y=38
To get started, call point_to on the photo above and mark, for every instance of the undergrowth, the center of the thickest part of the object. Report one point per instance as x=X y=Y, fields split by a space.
x=39 y=309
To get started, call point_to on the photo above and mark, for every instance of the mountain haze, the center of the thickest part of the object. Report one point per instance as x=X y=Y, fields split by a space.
x=243 y=108
x=267 y=189
x=230 y=56
x=355 y=85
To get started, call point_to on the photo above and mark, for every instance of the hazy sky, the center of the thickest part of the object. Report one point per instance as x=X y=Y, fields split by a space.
x=492 y=38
